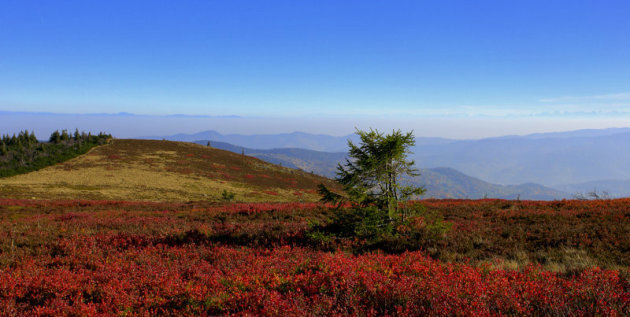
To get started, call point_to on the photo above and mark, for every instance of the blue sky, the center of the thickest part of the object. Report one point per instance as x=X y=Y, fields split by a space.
x=317 y=58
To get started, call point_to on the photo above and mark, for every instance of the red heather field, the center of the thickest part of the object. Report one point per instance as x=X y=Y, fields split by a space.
x=134 y=258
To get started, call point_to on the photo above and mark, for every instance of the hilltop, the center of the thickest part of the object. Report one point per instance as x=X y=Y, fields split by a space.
x=153 y=170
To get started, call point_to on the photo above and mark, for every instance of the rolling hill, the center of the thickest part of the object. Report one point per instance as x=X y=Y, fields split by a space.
x=611 y=188
x=555 y=159
x=551 y=161
x=178 y=171
x=445 y=182
x=321 y=163
x=440 y=182
x=165 y=171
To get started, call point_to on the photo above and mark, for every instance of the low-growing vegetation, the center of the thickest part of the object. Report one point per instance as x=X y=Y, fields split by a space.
x=109 y=257
x=151 y=170
x=365 y=251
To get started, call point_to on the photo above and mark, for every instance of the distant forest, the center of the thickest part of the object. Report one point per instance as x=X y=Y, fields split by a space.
x=24 y=153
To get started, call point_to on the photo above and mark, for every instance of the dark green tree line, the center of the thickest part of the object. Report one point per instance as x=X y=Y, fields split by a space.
x=23 y=152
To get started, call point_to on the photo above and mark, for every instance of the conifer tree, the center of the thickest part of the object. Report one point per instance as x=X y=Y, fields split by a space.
x=64 y=135
x=373 y=172
x=33 y=138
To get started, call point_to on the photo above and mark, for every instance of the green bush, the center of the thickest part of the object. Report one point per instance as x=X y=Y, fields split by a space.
x=371 y=228
x=227 y=195
x=373 y=224
x=425 y=223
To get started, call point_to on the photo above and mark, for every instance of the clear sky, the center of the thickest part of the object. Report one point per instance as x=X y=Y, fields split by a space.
x=398 y=59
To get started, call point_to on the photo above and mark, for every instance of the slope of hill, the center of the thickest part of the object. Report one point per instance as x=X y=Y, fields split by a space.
x=25 y=153
x=549 y=160
x=440 y=182
x=163 y=170
x=612 y=187
x=444 y=182
x=321 y=163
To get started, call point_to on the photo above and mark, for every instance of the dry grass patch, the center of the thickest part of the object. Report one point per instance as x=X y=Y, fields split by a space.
x=162 y=171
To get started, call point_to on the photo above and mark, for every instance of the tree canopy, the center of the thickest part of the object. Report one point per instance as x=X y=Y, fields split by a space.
x=375 y=168
x=24 y=153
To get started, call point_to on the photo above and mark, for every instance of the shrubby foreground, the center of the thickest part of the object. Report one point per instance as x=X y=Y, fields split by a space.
x=127 y=258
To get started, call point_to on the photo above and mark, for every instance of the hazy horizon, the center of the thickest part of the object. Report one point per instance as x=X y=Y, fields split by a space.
x=457 y=70
x=128 y=125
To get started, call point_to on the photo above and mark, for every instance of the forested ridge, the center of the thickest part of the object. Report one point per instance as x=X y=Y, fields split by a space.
x=23 y=153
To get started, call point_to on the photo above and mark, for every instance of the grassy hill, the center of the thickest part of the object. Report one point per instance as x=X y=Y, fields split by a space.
x=163 y=171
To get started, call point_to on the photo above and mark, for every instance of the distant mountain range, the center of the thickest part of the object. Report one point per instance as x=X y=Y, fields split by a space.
x=439 y=182
x=300 y=140
x=555 y=160
x=317 y=142
x=321 y=163
x=571 y=162
x=613 y=187
x=446 y=182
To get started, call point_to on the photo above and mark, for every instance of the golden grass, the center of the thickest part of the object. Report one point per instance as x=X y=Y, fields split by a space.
x=162 y=171
x=563 y=260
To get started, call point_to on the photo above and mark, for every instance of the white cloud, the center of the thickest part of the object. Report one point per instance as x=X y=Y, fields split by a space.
x=604 y=104
x=623 y=96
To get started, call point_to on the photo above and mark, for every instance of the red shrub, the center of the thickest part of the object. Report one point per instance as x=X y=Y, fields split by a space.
x=120 y=258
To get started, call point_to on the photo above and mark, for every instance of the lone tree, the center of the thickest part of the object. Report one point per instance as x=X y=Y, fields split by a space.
x=373 y=172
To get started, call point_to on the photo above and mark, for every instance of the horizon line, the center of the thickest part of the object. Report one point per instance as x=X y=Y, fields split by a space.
x=553 y=114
